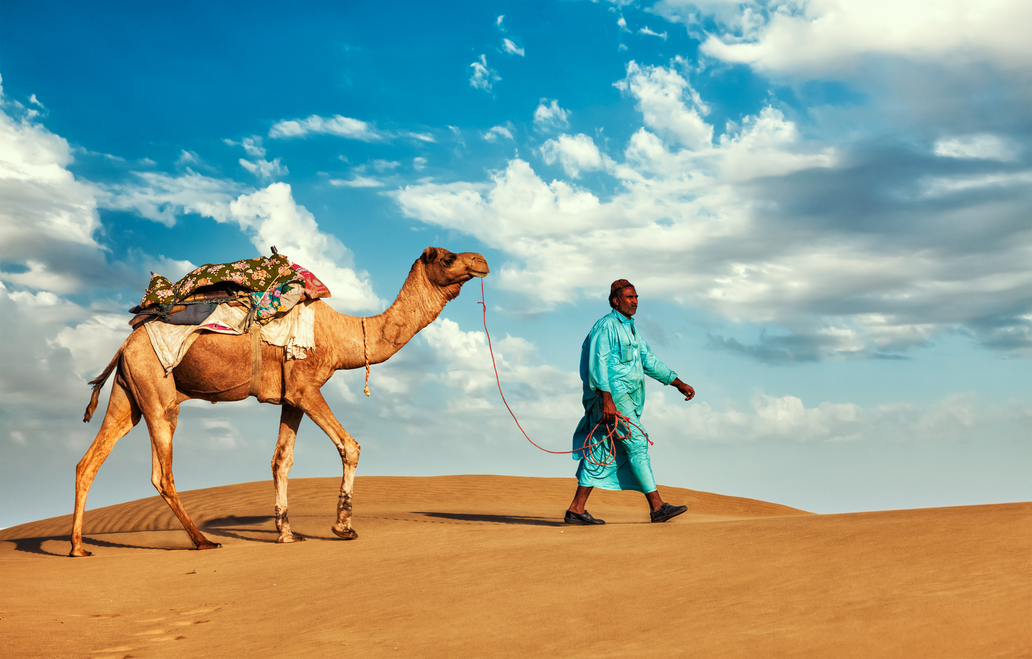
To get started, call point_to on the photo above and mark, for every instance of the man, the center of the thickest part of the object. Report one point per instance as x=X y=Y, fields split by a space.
x=614 y=361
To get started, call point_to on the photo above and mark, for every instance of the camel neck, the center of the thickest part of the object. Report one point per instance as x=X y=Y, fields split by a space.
x=418 y=304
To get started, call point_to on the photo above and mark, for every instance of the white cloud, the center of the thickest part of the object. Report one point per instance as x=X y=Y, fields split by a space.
x=93 y=341
x=820 y=36
x=253 y=147
x=645 y=30
x=512 y=48
x=37 y=185
x=48 y=218
x=421 y=137
x=187 y=158
x=787 y=418
x=36 y=368
x=335 y=125
x=357 y=182
x=222 y=433
x=575 y=153
x=938 y=186
x=767 y=145
x=418 y=163
x=981 y=146
x=174 y=269
x=542 y=392
x=270 y=216
x=663 y=97
x=518 y=206
x=161 y=197
x=264 y=169
x=276 y=219
x=482 y=77
x=497 y=132
x=700 y=223
x=38 y=275
x=551 y=116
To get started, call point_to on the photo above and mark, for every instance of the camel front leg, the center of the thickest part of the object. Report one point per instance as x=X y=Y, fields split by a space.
x=161 y=431
x=282 y=461
x=314 y=405
x=119 y=419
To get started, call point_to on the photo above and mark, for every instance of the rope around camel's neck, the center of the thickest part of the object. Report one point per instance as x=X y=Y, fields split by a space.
x=365 y=355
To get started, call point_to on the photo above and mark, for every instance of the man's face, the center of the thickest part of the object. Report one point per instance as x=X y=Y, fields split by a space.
x=627 y=301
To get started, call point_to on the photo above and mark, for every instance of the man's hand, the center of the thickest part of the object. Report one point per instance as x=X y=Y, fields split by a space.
x=608 y=410
x=686 y=390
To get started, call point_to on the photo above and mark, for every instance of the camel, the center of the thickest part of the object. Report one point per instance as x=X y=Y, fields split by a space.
x=217 y=368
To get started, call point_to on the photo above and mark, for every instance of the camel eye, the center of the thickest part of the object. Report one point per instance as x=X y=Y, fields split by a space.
x=448 y=260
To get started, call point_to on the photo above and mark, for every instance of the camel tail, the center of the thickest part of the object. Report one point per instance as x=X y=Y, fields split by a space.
x=98 y=384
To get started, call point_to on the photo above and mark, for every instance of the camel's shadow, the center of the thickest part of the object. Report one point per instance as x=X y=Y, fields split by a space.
x=230 y=526
x=245 y=528
x=220 y=526
x=35 y=545
x=522 y=520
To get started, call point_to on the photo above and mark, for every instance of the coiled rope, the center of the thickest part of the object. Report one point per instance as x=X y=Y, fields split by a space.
x=609 y=440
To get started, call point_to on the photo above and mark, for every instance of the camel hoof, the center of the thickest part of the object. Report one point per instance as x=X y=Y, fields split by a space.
x=345 y=534
x=293 y=537
x=209 y=545
x=79 y=553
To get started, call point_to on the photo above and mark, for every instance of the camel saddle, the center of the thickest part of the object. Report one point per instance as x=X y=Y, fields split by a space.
x=268 y=286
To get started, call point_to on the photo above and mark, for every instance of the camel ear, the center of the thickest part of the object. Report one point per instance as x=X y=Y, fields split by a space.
x=429 y=254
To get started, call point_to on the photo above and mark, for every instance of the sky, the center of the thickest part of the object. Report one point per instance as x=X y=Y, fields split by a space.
x=825 y=206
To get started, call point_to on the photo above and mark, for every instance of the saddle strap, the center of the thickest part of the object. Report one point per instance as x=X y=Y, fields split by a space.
x=256 y=358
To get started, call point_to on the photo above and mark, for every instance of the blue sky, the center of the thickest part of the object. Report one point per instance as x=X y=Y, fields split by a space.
x=824 y=204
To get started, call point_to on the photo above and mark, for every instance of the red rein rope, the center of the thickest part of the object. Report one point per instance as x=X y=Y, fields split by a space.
x=609 y=439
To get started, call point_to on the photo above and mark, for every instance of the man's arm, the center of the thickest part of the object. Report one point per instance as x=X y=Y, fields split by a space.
x=653 y=367
x=609 y=407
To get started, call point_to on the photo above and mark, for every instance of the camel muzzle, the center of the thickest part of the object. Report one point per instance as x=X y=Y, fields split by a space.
x=478 y=266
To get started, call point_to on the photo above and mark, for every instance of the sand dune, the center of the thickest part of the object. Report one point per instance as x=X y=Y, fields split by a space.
x=471 y=566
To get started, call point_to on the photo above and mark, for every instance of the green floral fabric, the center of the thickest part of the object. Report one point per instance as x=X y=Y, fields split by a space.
x=269 y=279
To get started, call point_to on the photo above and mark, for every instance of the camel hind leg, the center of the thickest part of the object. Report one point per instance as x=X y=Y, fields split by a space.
x=156 y=396
x=122 y=414
x=162 y=428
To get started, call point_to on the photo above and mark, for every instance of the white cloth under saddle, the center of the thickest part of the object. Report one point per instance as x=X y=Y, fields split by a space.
x=294 y=331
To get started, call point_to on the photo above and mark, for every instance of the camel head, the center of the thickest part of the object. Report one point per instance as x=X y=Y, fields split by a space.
x=450 y=271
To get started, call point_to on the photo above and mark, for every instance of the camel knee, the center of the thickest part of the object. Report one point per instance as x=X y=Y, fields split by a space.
x=172 y=416
x=350 y=454
x=282 y=461
x=164 y=484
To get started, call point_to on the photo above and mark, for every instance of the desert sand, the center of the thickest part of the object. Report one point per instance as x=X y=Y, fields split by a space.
x=482 y=566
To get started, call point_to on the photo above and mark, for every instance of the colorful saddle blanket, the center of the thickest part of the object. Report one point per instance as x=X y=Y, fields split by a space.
x=273 y=284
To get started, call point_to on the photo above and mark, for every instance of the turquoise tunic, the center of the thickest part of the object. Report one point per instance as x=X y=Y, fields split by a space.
x=616 y=359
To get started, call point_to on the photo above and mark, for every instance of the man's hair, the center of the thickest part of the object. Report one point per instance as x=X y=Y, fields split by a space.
x=614 y=290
